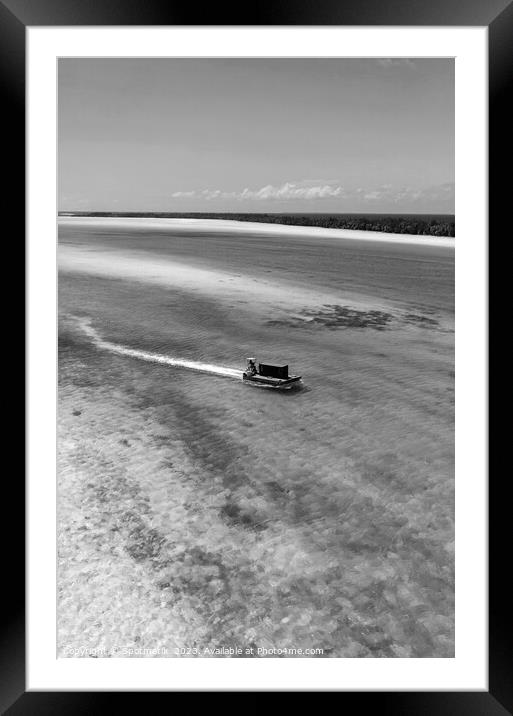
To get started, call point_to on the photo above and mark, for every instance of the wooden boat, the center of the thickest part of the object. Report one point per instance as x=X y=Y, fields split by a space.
x=265 y=374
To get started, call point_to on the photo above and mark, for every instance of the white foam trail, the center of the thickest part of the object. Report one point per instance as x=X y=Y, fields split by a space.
x=156 y=357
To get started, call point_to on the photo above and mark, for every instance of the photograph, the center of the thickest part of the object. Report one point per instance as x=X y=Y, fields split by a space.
x=256 y=357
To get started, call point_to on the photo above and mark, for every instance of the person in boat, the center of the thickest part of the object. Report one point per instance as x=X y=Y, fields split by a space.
x=251 y=369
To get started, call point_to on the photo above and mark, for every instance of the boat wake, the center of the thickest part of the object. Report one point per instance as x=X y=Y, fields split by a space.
x=119 y=349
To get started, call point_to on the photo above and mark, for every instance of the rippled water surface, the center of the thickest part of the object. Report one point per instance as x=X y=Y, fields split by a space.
x=198 y=512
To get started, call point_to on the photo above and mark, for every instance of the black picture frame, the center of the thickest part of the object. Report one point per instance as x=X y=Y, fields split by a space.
x=497 y=15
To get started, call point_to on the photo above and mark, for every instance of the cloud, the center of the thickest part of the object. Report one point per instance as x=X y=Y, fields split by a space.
x=183 y=194
x=409 y=195
x=290 y=190
x=293 y=191
x=318 y=190
x=396 y=62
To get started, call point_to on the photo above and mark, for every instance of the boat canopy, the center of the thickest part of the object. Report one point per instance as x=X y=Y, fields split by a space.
x=273 y=371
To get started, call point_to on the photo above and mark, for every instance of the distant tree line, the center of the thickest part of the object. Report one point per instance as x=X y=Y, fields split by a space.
x=416 y=224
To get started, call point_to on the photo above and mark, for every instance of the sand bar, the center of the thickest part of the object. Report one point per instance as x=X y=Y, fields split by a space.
x=241 y=227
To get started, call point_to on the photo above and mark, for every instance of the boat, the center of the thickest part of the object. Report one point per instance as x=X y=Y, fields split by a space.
x=266 y=374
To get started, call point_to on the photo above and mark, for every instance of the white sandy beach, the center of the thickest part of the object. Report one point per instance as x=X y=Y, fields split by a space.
x=242 y=227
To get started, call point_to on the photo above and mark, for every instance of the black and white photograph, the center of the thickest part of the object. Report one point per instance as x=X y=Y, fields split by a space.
x=256 y=285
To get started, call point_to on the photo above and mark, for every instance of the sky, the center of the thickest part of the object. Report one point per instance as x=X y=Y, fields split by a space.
x=256 y=135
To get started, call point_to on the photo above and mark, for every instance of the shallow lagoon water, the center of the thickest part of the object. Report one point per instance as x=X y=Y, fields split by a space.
x=197 y=511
